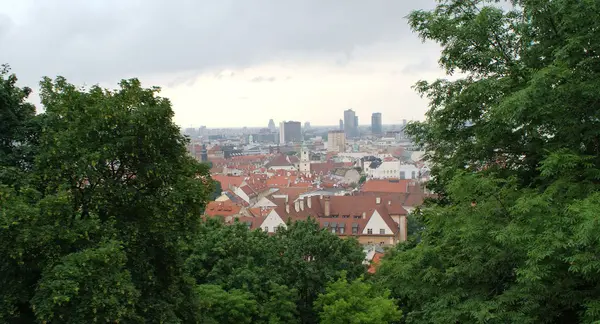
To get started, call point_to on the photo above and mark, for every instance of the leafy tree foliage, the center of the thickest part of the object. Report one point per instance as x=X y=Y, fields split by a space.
x=16 y=128
x=281 y=275
x=217 y=191
x=356 y=302
x=514 y=146
x=112 y=197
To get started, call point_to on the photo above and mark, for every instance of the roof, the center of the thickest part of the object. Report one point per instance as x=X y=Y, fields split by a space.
x=375 y=261
x=222 y=208
x=387 y=185
x=324 y=168
x=281 y=160
x=348 y=211
x=227 y=181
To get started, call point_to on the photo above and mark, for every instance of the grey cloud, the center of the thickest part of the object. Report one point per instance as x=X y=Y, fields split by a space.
x=97 y=41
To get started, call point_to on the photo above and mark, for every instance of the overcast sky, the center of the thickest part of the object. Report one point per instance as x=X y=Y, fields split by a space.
x=231 y=62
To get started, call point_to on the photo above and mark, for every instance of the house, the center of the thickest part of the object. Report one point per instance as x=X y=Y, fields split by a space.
x=346 y=175
x=283 y=162
x=371 y=219
x=388 y=185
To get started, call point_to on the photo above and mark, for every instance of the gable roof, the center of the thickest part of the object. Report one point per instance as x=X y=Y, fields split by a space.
x=227 y=181
x=281 y=160
x=346 y=211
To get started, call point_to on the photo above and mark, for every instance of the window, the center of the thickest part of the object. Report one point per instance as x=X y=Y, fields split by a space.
x=266 y=228
x=413 y=175
x=333 y=230
x=345 y=216
x=357 y=216
x=402 y=175
x=382 y=231
x=341 y=230
x=381 y=243
x=370 y=231
x=354 y=229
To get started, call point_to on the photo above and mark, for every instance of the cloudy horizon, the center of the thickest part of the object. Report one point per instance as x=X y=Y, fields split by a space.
x=231 y=63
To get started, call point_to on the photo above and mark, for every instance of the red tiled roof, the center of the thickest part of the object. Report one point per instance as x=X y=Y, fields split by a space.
x=324 y=168
x=350 y=210
x=218 y=208
x=375 y=262
x=391 y=186
x=227 y=181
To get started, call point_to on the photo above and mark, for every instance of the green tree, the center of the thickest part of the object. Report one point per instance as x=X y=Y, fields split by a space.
x=17 y=128
x=237 y=259
x=282 y=274
x=311 y=257
x=112 y=202
x=356 y=302
x=217 y=191
x=362 y=179
x=514 y=148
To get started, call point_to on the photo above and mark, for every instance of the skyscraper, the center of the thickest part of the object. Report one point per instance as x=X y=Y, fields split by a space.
x=376 y=126
x=272 y=125
x=341 y=124
x=350 y=127
x=290 y=132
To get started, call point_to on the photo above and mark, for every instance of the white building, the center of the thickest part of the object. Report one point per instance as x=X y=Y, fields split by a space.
x=304 y=165
x=392 y=170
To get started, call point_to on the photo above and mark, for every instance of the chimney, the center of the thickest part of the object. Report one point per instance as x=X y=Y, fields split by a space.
x=302 y=204
x=364 y=215
x=403 y=228
x=378 y=200
x=327 y=206
x=287 y=208
x=296 y=206
x=321 y=197
x=309 y=201
x=389 y=202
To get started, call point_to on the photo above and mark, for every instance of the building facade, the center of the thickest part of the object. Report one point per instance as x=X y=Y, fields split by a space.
x=376 y=124
x=336 y=141
x=290 y=132
x=350 y=126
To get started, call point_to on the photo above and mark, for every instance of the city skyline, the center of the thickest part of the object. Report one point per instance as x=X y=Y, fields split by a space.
x=255 y=59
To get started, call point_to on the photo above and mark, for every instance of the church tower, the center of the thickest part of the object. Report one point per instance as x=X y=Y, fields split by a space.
x=304 y=160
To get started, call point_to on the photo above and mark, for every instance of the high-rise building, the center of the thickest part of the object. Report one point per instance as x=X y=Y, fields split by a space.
x=341 y=124
x=272 y=125
x=336 y=141
x=376 y=126
x=290 y=132
x=350 y=123
x=282 y=132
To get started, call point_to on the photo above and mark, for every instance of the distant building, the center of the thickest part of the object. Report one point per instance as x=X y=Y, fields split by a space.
x=304 y=166
x=376 y=125
x=336 y=141
x=306 y=125
x=350 y=123
x=271 y=126
x=290 y=132
x=341 y=124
